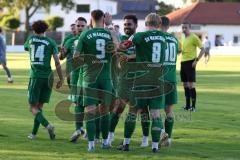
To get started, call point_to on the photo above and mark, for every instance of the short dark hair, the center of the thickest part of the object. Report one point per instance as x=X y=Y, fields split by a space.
x=116 y=26
x=132 y=17
x=187 y=22
x=39 y=26
x=73 y=24
x=97 y=14
x=82 y=19
x=165 y=21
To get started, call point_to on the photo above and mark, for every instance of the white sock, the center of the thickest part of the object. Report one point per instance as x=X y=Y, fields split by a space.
x=91 y=144
x=145 y=138
x=155 y=145
x=105 y=141
x=79 y=131
x=49 y=126
x=162 y=132
x=126 y=141
x=111 y=136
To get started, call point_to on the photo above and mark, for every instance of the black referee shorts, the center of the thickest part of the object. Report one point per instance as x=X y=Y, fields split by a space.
x=187 y=72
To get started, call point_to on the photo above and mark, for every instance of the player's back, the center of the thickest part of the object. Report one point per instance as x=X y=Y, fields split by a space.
x=96 y=42
x=150 y=46
x=41 y=49
x=170 y=58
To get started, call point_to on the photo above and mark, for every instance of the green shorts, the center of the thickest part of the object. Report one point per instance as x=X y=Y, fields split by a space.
x=125 y=85
x=39 y=90
x=171 y=97
x=124 y=89
x=98 y=92
x=152 y=103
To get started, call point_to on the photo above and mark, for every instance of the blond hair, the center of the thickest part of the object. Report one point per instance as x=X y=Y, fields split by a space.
x=153 y=20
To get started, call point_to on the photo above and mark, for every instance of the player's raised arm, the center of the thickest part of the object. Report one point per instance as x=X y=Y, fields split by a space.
x=109 y=26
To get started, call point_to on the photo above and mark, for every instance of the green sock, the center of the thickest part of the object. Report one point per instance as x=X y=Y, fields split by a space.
x=104 y=120
x=156 y=129
x=41 y=119
x=79 y=116
x=36 y=125
x=129 y=125
x=145 y=122
x=169 y=121
x=90 y=127
x=114 y=118
x=97 y=124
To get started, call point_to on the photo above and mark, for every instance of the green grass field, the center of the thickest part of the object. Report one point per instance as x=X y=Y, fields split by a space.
x=210 y=133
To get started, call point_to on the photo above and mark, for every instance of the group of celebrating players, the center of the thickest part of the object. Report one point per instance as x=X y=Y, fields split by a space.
x=106 y=73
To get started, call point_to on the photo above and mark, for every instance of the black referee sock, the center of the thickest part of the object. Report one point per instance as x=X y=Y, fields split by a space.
x=193 y=96
x=187 y=96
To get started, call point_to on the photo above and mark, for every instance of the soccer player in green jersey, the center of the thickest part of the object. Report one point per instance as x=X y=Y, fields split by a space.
x=150 y=49
x=130 y=26
x=69 y=36
x=41 y=49
x=173 y=48
x=95 y=48
x=81 y=24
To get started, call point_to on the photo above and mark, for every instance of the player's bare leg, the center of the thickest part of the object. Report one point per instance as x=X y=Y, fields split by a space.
x=10 y=79
x=36 y=110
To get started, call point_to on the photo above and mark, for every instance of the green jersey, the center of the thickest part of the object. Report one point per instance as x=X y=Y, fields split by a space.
x=150 y=46
x=171 y=57
x=41 y=49
x=97 y=43
x=70 y=46
x=150 y=52
x=130 y=50
x=69 y=36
